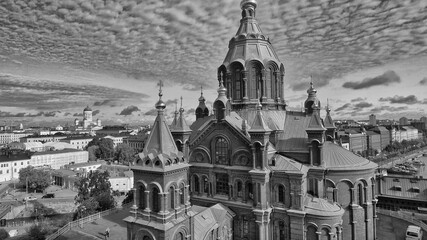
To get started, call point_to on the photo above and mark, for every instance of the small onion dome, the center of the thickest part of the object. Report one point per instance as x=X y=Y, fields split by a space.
x=87 y=109
x=243 y=3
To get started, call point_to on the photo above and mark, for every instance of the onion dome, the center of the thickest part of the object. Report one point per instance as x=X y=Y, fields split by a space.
x=312 y=102
x=87 y=108
x=201 y=110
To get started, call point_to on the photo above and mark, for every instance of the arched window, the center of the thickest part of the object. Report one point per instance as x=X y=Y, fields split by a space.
x=205 y=185
x=146 y=238
x=182 y=192
x=172 y=197
x=221 y=151
x=281 y=230
x=179 y=236
x=258 y=156
x=315 y=153
x=141 y=193
x=236 y=76
x=360 y=194
x=220 y=109
x=239 y=189
x=281 y=190
x=313 y=187
x=249 y=191
x=179 y=145
x=155 y=199
x=325 y=234
x=196 y=184
x=311 y=232
x=255 y=81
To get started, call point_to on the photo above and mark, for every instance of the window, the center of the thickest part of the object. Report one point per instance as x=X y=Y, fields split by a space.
x=281 y=190
x=172 y=197
x=15 y=164
x=239 y=189
x=22 y=163
x=360 y=194
x=196 y=184
x=258 y=156
x=245 y=226
x=182 y=192
x=205 y=185
x=179 y=236
x=221 y=151
x=313 y=187
x=222 y=184
x=141 y=191
x=155 y=199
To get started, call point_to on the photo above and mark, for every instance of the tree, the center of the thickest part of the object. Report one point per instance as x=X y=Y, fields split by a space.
x=106 y=146
x=36 y=232
x=95 y=187
x=125 y=154
x=94 y=153
x=36 y=179
x=3 y=234
x=128 y=198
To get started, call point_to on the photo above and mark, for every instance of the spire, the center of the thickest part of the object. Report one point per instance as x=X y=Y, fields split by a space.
x=160 y=139
x=181 y=125
x=175 y=117
x=329 y=123
x=312 y=103
x=201 y=110
x=259 y=124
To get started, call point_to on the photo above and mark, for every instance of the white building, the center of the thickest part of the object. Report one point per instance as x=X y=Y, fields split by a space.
x=6 y=138
x=117 y=140
x=10 y=165
x=78 y=142
x=57 y=159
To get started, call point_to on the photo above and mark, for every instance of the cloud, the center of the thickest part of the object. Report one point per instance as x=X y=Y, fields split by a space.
x=129 y=110
x=96 y=112
x=102 y=103
x=362 y=105
x=386 y=79
x=411 y=99
x=152 y=112
x=359 y=99
x=343 y=107
x=423 y=81
x=78 y=115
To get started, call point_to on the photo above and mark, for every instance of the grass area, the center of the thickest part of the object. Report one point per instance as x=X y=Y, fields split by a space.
x=71 y=235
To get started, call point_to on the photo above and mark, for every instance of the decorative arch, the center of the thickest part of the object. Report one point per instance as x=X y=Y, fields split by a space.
x=140 y=194
x=344 y=193
x=205 y=184
x=195 y=183
x=219 y=107
x=180 y=230
x=315 y=153
x=155 y=199
x=180 y=145
x=239 y=188
x=156 y=184
x=330 y=190
x=200 y=154
x=271 y=80
x=144 y=234
x=311 y=231
x=241 y=157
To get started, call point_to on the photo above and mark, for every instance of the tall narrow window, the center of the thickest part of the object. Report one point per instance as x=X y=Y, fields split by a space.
x=268 y=74
x=239 y=189
x=258 y=156
x=172 y=197
x=182 y=192
x=221 y=151
x=237 y=84
x=281 y=194
x=315 y=153
x=205 y=185
x=281 y=230
x=141 y=192
x=196 y=184
x=360 y=194
x=312 y=187
x=222 y=184
x=249 y=191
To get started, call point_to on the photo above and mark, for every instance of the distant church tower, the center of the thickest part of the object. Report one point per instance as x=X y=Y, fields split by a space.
x=87 y=117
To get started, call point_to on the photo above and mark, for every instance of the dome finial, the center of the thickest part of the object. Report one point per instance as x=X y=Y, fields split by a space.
x=181 y=109
x=245 y=3
x=160 y=105
x=311 y=89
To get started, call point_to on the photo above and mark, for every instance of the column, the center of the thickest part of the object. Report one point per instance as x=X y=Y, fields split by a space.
x=147 y=201
x=263 y=86
x=245 y=87
x=162 y=202
x=228 y=84
x=281 y=85
x=177 y=200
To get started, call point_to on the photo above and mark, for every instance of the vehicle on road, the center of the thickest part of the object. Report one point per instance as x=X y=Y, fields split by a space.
x=30 y=198
x=414 y=233
x=49 y=195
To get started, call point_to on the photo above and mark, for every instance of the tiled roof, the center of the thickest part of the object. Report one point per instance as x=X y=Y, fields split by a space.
x=207 y=218
x=294 y=137
x=321 y=207
x=275 y=119
x=337 y=157
x=315 y=123
x=160 y=139
x=329 y=123
x=285 y=164
x=408 y=187
x=259 y=124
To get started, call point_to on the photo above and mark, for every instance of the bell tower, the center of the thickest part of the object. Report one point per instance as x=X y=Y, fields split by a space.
x=251 y=71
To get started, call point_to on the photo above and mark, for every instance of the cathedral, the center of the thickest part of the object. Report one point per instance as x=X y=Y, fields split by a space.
x=87 y=122
x=249 y=169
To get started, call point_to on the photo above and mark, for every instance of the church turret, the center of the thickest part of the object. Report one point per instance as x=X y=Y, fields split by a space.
x=161 y=199
x=329 y=124
x=181 y=131
x=221 y=105
x=251 y=71
x=201 y=110
x=311 y=99
x=316 y=136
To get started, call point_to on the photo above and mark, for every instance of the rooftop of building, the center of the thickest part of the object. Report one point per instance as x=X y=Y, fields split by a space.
x=68 y=150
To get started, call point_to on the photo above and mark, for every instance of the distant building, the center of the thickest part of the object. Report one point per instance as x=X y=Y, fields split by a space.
x=385 y=136
x=87 y=123
x=117 y=140
x=80 y=142
x=43 y=139
x=374 y=142
x=372 y=120
x=403 y=121
x=136 y=141
x=11 y=162
x=57 y=159
x=9 y=137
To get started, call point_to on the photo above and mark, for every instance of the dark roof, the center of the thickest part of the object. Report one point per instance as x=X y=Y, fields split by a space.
x=275 y=119
x=321 y=207
x=294 y=138
x=14 y=157
x=160 y=138
x=339 y=158
x=285 y=164
x=68 y=150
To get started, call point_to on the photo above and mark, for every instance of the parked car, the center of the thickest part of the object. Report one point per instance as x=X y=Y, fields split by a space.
x=49 y=195
x=30 y=198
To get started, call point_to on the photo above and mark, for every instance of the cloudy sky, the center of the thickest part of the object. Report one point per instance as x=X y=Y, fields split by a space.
x=57 y=56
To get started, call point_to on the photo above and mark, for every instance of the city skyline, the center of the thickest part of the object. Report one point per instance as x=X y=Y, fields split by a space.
x=59 y=56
